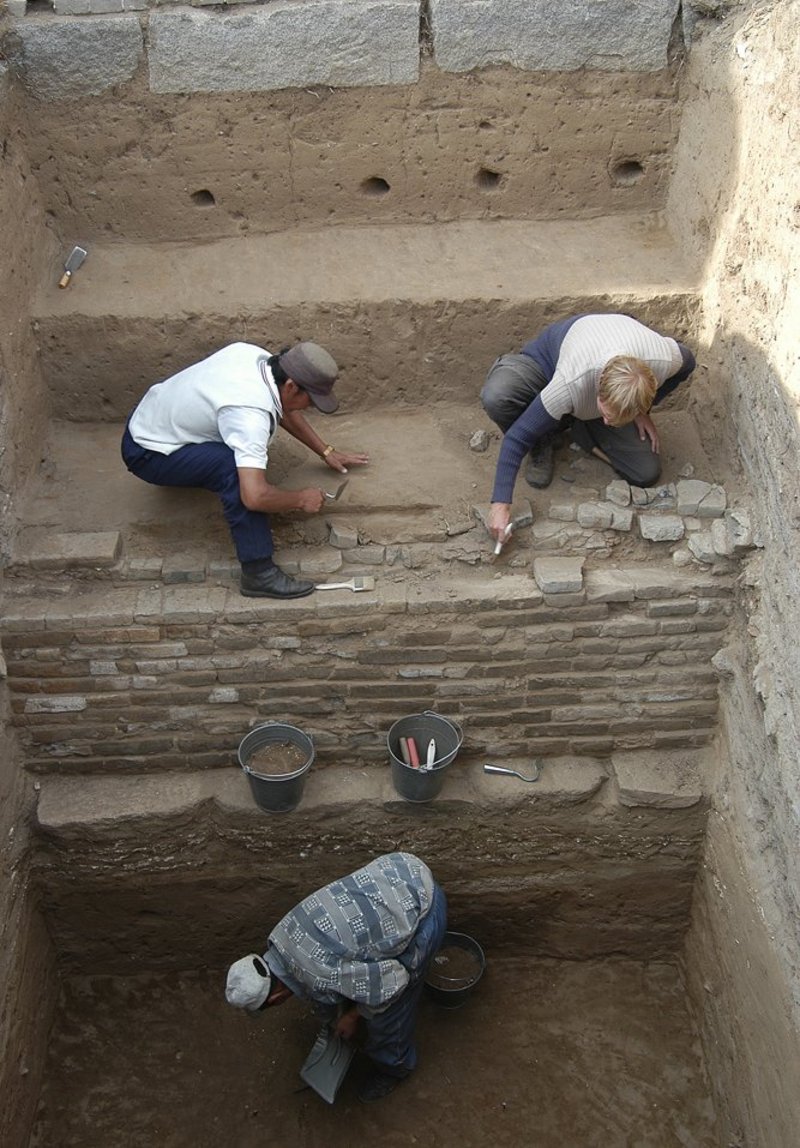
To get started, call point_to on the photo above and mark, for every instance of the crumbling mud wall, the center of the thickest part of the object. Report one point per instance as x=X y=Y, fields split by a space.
x=198 y=124
x=26 y=974
x=743 y=951
x=26 y=242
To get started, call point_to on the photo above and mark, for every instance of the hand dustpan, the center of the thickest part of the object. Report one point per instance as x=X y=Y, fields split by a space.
x=326 y=1065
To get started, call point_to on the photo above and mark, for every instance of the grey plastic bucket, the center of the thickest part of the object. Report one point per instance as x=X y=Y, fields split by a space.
x=423 y=784
x=277 y=792
x=452 y=992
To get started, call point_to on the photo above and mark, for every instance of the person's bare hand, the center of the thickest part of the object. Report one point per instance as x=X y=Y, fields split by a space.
x=341 y=459
x=499 y=518
x=647 y=429
x=347 y=1025
x=311 y=499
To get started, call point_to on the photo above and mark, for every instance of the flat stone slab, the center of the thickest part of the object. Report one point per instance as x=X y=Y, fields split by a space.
x=43 y=550
x=664 y=779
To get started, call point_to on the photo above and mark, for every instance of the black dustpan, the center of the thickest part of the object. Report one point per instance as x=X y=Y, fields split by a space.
x=326 y=1065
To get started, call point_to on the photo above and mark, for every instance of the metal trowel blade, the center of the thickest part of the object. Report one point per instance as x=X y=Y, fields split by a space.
x=334 y=497
x=74 y=260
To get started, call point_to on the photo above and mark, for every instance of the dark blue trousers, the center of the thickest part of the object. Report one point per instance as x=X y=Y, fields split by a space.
x=210 y=465
x=390 y=1034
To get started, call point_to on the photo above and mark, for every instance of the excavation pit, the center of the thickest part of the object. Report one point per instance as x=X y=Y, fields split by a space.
x=431 y=191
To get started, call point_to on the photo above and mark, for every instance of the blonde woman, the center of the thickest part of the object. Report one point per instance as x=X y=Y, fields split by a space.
x=597 y=374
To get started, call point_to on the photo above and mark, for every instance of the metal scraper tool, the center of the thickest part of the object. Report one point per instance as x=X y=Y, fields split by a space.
x=74 y=260
x=335 y=496
x=506 y=772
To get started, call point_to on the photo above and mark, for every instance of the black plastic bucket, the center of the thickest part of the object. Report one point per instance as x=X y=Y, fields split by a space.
x=424 y=783
x=277 y=792
x=452 y=990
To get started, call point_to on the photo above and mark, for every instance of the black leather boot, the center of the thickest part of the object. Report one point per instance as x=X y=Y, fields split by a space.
x=541 y=463
x=263 y=579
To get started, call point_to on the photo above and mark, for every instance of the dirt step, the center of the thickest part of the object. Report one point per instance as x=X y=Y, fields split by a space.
x=411 y=313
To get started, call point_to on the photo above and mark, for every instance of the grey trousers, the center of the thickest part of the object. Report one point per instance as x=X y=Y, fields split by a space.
x=512 y=384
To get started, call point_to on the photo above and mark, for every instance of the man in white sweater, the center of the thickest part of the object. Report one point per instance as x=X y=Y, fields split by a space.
x=211 y=426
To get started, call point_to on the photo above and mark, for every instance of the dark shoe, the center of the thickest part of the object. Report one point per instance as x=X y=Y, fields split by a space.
x=541 y=463
x=273 y=583
x=376 y=1086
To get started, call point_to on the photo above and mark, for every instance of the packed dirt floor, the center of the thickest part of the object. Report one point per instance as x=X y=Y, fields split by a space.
x=547 y=1054
x=422 y=476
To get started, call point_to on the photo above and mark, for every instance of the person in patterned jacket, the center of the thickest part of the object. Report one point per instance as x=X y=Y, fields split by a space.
x=357 y=948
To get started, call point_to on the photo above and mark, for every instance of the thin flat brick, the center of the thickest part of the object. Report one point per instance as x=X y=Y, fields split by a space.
x=53 y=705
x=671 y=607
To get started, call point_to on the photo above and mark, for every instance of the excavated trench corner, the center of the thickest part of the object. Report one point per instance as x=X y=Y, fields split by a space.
x=598 y=644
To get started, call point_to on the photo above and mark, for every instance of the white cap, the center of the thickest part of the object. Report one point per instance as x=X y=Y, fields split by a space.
x=248 y=983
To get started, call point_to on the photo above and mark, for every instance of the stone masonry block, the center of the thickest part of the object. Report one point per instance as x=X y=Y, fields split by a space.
x=661 y=527
x=595 y=515
x=732 y=534
x=285 y=45
x=69 y=551
x=558 y=575
x=74 y=7
x=622 y=518
x=609 y=586
x=61 y=58
x=181 y=568
x=16 y=8
x=619 y=492
x=691 y=492
x=343 y=535
x=539 y=35
x=701 y=546
x=713 y=504
x=661 y=779
x=561 y=512
x=367 y=555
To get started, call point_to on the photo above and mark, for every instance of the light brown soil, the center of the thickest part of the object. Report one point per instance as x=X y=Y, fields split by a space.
x=547 y=1054
x=277 y=758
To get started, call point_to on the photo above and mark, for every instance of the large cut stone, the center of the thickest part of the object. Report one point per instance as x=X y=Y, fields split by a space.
x=61 y=58
x=340 y=43
x=552 y=35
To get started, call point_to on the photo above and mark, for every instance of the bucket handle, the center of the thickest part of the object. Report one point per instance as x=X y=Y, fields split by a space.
x=454 y=724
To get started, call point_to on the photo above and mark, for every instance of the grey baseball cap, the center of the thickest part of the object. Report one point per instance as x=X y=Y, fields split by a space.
x=315 y=370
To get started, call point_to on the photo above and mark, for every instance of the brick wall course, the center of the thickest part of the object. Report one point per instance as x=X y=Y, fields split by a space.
x=563 y=679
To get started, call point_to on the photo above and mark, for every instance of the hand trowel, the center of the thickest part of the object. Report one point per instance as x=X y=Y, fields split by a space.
x=74 y=260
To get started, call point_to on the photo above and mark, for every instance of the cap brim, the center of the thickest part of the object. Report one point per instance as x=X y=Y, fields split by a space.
x=327 y=403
